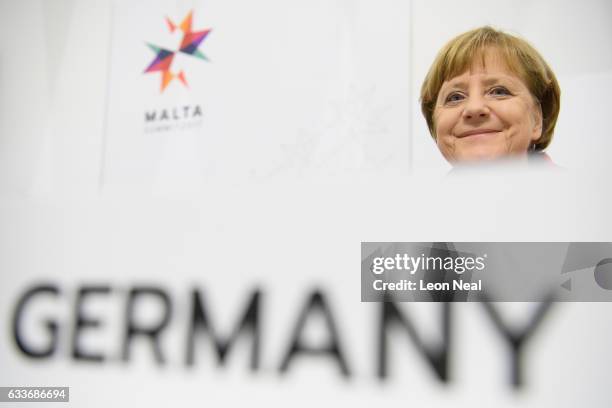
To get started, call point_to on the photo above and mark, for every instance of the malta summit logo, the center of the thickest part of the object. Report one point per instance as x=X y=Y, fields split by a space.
x=189 y=45
x=181 y=116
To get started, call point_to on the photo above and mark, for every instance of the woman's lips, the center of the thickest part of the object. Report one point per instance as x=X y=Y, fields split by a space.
x=476 y=132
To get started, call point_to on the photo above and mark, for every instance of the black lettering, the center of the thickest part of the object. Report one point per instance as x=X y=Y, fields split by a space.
x=248 y=323
x=52 y=326
x=437 y=357
x=81 y=322
x=516 y=339
x=317 y=301
x=133 y=330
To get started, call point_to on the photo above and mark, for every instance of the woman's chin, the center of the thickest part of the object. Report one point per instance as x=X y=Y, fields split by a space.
x=486 y=156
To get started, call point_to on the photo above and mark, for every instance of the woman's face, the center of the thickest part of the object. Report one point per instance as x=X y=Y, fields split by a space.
x=486 y=113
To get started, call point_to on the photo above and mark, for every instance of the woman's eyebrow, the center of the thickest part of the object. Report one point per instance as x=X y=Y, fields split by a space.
x=496 y=79
x=455 y=85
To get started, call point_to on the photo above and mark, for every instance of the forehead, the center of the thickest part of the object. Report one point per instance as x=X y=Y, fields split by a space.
x=488 y=60
x=487 y=67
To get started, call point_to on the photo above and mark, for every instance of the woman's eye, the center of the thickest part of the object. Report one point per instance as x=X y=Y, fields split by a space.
x=454 y=97
x=499 y=91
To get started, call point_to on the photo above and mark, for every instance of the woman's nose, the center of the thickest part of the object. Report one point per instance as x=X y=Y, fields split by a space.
x=475 y=108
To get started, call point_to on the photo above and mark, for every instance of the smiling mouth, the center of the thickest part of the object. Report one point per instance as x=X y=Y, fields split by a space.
x=477 y=132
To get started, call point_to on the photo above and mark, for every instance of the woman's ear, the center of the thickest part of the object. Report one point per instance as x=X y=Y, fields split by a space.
x=537 y=122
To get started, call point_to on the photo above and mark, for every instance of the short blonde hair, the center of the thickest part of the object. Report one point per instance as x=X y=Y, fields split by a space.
x=521 y=58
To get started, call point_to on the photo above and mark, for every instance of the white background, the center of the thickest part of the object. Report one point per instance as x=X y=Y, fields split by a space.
x=286 y=198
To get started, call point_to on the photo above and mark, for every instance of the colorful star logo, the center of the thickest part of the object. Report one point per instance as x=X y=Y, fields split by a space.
x=189 y=45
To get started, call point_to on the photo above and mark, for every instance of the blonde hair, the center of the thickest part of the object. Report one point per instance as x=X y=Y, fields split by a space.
x=521 y=58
